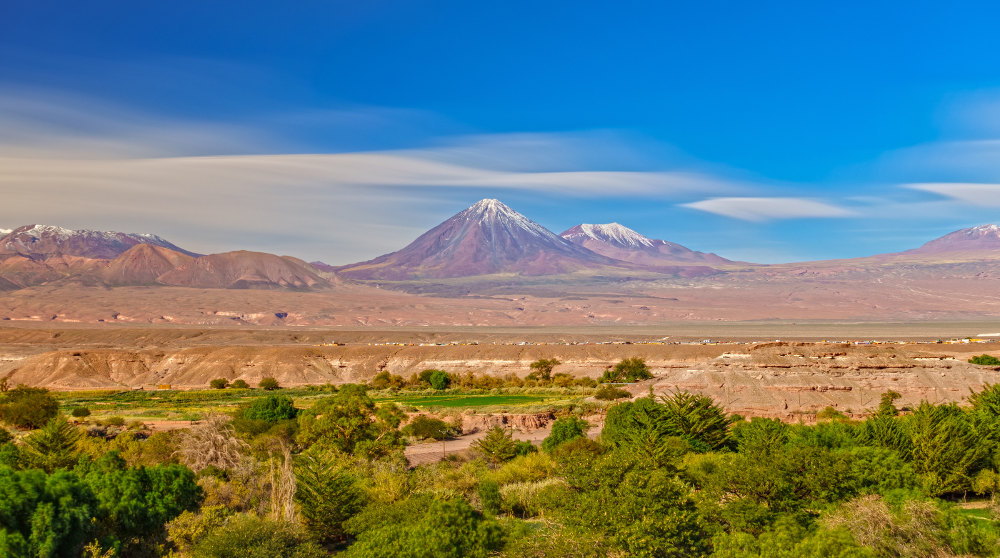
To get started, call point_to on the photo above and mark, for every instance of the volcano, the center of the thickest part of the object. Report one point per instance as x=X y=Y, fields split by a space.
x=487 y=238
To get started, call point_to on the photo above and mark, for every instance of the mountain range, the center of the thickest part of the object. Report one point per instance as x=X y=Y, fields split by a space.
x=490 y=251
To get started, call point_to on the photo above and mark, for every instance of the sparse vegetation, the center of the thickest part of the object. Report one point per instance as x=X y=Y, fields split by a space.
x=629 y=370
x=985 y=360
x=268 y=384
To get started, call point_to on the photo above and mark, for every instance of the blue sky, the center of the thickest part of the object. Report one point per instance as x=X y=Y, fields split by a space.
x=766 y=131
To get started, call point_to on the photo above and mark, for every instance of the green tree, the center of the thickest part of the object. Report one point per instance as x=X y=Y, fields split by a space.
x=424 y=426
x=239 y=384
x=610 y=393
x=351 y=422
x=269 y=384
x=628 y=370
x=54 y=446
x=45 y=515
x=542 y=368
x=439 y=379
x=27 y=407
x=137 y=502
x=327 y=494
x=946 y=452
x=219 y=383
x=563 y=430
x=496 y=446
x=271 y=409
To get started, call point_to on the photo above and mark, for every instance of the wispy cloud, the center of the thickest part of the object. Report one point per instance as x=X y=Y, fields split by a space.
x=971 y=193
x=85 y=164
x=766 y=209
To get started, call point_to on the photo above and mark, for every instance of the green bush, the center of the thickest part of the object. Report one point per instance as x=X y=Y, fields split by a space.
x=219 y=383
x=610 y=393
x=563 y=430
x=27 y=407
x=81 y=412
x=428 y=427
x=239 y=384
x=271 y=408
x=269 y=384
x=249 y=536
x=985 y=360
x=628 y=370
x=439 y=379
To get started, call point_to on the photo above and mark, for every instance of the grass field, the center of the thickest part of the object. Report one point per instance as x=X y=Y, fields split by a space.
x=193 y=405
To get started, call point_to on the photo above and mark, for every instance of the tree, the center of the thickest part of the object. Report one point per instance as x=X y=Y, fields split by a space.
x=563 y=430
x=54 y=446
x=945 y=447
x=424 y=426
x=239 y=384
x=28 y=407
x=351 y=422
x=269 y=384
x=542 y=368
x=219 y=383
x=497 y=446
x=45 y=515
x=628 y=370
x=327 y=494
x=271 y=408
x=439 y=379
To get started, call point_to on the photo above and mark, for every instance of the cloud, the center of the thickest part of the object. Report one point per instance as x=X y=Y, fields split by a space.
x=766 y=209
x=971 y=193
x=219 y=186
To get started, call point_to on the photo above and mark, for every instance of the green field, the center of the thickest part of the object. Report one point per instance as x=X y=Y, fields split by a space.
x=192 y=405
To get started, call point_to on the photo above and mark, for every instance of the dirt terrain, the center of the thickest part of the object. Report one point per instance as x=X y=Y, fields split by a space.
x=749 y=373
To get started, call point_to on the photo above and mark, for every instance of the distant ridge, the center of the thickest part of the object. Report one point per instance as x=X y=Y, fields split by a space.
x=622 y=243
x=49 y=240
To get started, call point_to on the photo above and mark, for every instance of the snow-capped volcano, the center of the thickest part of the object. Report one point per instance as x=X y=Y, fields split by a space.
x=484 y=239
x=622 y=243
x=984 y=238
x=48 y=240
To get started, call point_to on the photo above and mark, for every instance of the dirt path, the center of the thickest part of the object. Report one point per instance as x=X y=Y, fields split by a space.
x=432 y=452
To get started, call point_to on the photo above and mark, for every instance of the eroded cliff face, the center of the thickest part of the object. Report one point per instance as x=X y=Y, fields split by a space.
x=770 y=379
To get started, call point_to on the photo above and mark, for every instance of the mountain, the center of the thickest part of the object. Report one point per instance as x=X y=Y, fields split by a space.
x=622 y=243
x=982 y=240
x=47 y=241
x=244 y=270
x=143 y=264
x=487 y=238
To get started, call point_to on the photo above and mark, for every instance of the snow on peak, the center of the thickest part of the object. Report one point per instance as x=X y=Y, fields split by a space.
x=983 y=230
x=5 y=232
x=614 y=233
x=495 y=211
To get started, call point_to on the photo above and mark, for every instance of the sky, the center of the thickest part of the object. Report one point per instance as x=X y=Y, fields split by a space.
x=339 y=131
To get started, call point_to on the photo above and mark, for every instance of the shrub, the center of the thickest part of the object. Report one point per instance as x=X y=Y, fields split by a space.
x=249 y=536
x=270 y=409
x=114 y=421
x=269 y=384
x=428 y=427
x=439 y=379
x=239 y=384
x=610 y=393
x=628 y=370
x=489 y=496
x=219 y=383
x=81 y=412
x=564 y=430
x=985 y=360
x=27 y=407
